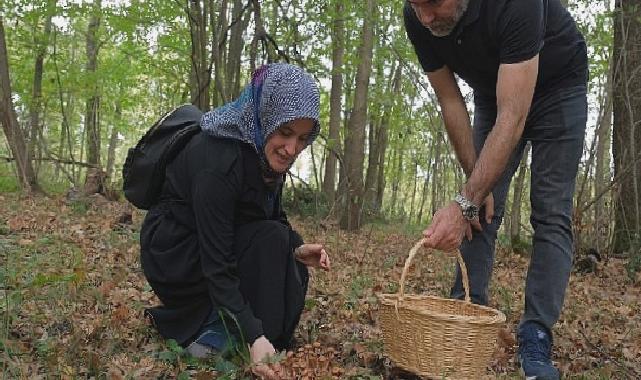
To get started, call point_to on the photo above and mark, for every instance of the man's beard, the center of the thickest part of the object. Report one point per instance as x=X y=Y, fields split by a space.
x=443 y=27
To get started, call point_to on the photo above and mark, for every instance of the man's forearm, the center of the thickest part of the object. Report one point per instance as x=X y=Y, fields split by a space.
x=492 y=161
x=514 y=91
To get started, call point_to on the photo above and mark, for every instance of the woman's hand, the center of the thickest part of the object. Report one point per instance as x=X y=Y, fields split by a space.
x=313 y=255
x=260 y=352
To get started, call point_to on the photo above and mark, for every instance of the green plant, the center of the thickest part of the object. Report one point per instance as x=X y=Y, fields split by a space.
x=634 y=261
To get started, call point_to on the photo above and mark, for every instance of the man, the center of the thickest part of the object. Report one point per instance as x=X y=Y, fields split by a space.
x=527 y=64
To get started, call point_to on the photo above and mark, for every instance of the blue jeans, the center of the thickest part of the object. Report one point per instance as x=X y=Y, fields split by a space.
x=555 y=126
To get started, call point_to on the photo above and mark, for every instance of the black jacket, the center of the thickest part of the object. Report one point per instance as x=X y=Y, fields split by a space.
x=212 y=187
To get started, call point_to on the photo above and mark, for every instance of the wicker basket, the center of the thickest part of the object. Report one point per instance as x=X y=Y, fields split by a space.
x=437 y=337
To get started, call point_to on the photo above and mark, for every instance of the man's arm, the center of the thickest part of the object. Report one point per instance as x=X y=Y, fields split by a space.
x=455 y=116
x=514 y=92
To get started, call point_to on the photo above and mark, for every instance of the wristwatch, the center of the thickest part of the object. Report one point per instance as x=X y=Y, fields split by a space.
x=470 y=210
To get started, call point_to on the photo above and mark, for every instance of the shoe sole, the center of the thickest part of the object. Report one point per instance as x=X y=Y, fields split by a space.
x=531 y=377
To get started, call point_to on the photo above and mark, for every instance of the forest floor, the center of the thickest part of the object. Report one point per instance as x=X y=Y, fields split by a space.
x=72 y=296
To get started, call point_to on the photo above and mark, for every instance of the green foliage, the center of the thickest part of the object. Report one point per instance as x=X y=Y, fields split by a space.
x=8 y=182
x=305 y=201
x=633 y=266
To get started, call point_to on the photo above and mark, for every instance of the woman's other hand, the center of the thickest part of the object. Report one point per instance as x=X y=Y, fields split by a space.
x=313 y=255
x=260 y=352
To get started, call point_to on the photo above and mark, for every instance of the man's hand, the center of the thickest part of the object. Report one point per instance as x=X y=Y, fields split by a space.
x=489 y=213
x=447 y=229
x=313 y=255
x=260 y=352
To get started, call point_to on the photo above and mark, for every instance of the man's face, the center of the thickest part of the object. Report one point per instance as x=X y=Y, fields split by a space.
x=439 y=16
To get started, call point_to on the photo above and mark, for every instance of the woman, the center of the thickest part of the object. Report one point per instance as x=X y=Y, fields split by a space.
x=219 y=243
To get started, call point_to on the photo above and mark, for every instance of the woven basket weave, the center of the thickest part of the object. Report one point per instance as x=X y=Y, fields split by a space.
x=437 y=337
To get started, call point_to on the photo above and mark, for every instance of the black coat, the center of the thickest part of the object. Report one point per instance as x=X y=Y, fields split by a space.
x=213 y=187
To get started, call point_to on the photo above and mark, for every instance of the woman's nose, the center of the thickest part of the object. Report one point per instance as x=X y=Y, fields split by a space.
x=291 y=146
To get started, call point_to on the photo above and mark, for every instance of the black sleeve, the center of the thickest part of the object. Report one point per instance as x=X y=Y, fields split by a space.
x=214 y=195
x=417 y=35
x=521 y=30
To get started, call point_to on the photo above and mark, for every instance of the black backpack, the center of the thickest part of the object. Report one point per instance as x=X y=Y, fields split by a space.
x=143 y=173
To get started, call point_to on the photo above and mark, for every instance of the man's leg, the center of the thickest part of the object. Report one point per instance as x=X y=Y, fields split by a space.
x=478 y=253
x=556 y=126
x=556 y=152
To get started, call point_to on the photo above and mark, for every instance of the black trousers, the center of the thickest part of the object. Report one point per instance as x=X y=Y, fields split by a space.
x=271 y=280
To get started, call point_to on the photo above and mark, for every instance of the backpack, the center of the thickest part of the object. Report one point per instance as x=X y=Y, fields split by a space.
x=143 y=173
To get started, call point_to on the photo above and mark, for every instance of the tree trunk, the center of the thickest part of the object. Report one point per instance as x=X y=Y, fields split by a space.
x=232 y=75
x=414 y=182
x=383 y=138
x=602 y=168
x=113 y=142
x=219 y=43
x=92 y=126
x=9 y=120
x=426 y=182
x=41 y=43
x=199 y=78
x=627 y=116
x=517 y=197
x=354 y=147
x=436 y=175
x=335 y=102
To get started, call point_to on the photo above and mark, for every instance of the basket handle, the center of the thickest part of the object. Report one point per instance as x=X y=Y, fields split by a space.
x=408 y=262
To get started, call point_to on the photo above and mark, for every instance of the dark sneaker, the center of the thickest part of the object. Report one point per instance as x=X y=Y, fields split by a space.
x=535 y=348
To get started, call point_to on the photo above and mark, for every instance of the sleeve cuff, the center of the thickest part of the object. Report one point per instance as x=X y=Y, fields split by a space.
x=251 y=326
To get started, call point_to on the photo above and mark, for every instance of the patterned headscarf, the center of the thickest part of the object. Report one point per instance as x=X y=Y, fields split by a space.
x=278 y=93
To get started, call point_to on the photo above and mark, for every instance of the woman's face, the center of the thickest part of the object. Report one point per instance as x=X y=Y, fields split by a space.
x=284 y=145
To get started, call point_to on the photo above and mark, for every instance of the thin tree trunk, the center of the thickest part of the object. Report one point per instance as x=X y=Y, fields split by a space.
x=113 y=142
x=92 y=126
x=602 y=168
x=354 y=147
x=426 y=183
x=517 y=196
x=199 y=78
x=335 y=102
x=41 y=43
x=436 y=174
x=414 y=182
x=627 y=141
x=9 y=120
x=217 y=52
x=232 y=75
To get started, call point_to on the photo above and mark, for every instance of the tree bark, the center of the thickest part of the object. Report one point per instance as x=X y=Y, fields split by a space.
x=517 y=197
x=335 y=102
x=627 y=117
x=232 y=74
x=9 y=120
x=602 y=168
x=41 y=43
x=219 y=39
x=354 y=147
x=375 y=197
x=199 y=78
x=92 y=125
x=113 y=142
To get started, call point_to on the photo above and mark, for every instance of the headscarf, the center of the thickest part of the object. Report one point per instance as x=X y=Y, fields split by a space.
x=278 y=93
